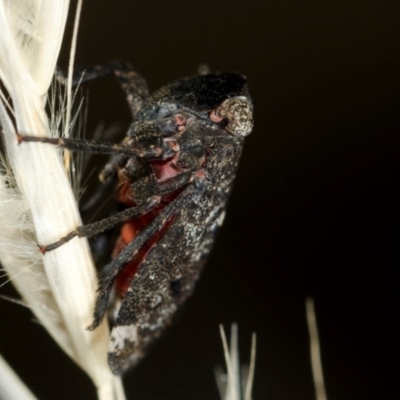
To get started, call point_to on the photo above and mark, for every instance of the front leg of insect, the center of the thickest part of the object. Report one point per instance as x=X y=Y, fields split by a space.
x=175 y=170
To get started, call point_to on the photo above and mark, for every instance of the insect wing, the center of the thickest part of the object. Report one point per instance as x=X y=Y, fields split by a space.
x=164 y=280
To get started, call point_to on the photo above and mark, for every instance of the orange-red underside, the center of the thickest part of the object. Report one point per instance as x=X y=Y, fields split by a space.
x=163 y=170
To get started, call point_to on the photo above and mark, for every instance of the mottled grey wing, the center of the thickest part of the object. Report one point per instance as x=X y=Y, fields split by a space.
x=164 y=280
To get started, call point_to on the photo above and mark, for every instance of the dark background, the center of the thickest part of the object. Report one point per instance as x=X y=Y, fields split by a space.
x=315 y=207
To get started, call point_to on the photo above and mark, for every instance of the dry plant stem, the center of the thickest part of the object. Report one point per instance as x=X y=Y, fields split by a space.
x=62 y=295
x=230 y=385
x=67 y=155
x=252 y=367
x=234 y=358
x=11 y=387
x=233 y=395
x=315 y=351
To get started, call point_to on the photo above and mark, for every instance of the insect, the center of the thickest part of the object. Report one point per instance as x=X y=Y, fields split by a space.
x=174 y=172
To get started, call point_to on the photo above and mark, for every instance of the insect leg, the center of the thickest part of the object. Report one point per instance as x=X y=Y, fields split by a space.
x=132 y=83
x=106 y=224
x=93 y=146
x=117 y=264
x=173 y=184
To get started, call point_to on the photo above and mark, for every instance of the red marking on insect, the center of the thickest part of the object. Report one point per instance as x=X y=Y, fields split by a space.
x=165 y=169
x=180 y=121
x=129 y=232
x=20 y=138
x=201 y=174
x=124 y=193
x=215 y=117
x=42 y=249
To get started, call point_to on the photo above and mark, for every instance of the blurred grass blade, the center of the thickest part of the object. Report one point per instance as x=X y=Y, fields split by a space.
x=315 y=351
x=230 y=384
x=11 y=387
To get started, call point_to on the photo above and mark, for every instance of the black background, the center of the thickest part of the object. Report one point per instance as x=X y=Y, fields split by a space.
x=315 y=207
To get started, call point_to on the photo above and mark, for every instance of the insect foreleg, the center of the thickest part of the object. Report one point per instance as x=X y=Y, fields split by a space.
x=132 y=83
x=106 y=224
x=149 y=186
x=176 y=182
x=92 y=146
x=111 y=270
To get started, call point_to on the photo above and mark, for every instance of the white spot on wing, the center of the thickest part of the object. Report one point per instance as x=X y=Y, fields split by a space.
x=120 y=335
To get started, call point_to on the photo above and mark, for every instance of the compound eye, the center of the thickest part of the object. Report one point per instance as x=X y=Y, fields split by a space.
x=238 y=114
